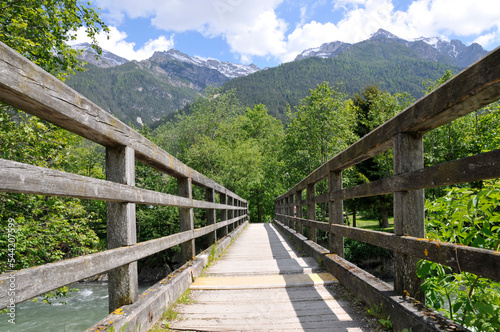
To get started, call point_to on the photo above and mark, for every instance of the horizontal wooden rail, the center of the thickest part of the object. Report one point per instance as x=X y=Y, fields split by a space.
x=459 y=257
x=28 y=87
x=41 y=279
x=482 y=166
x=21 y=178
x=478 y=167
x=475 y=87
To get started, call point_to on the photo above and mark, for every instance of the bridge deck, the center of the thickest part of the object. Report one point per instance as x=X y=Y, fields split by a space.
x=263 y=284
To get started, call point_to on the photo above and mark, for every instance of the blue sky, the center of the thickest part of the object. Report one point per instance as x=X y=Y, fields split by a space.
x=270 y=32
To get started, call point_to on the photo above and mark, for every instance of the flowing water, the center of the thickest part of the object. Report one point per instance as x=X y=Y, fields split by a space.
x=83 y=309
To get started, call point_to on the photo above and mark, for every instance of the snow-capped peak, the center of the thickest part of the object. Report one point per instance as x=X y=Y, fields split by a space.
x=381 y=33
x=432 y=41
x=228 y=69
x=104 y=60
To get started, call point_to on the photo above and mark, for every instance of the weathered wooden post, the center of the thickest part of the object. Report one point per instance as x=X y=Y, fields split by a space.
x=311 y=209
x=186 y=218
x=245 y=211
x=298 y=227
x=223 y=214
x=281 y=204
x=287 y=211
x=335 y=211
x=230 y=213
x=211 y=217
x=121 y=231
x=409 y=217
x=293 y=207
x=238 y=212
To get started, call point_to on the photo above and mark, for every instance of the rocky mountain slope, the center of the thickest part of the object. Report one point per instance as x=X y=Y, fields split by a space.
x=142 y=92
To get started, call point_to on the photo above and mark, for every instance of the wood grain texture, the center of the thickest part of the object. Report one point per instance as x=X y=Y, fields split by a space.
x=41 y=279
x=158 y=298
x=22 y=178
x=409 y=212
x=261 y=284
x=479 y=167
x=31 y=89
x=485 y=263
x=405 y=312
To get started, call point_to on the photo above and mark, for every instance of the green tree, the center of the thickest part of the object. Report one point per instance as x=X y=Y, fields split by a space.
x=47 y=228
x=267 y=132
x=373 y=107
x=321 y=126
x=237 y=147
x=205 y=117
x=39 y=30
x=468 y=217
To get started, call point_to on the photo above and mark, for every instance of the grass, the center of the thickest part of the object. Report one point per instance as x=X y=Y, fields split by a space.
x=371 y=224
x=171 y=313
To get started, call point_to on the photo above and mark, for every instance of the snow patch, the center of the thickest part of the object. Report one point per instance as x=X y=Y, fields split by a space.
x=228 y=69
x=433 y=41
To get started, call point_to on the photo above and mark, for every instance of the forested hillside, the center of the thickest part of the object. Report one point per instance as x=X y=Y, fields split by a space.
x=133 y=92
x=383 y=62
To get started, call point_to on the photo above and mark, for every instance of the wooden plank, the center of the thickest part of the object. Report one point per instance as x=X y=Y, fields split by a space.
x=485 y=263
x=479 y=167
x=473 y=88
x=40 y=279
x=405 y=312
x=298 y=200
x=223 y=214
x=31 y=89
x=158 y=298
x=292 y=299
x=22 y=178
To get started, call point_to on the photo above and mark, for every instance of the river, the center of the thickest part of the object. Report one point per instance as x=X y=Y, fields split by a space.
x=83 y=308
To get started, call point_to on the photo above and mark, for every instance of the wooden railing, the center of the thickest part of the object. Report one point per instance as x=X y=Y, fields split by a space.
x=473 y=88
x=25 y=86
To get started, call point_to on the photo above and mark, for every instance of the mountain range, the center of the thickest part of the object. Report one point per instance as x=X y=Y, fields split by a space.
x=452 y=52
x=143 y=92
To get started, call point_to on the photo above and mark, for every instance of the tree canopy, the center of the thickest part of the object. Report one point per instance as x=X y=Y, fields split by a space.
x=40 y=29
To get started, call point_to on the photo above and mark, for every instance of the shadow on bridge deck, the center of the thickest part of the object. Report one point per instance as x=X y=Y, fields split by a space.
x=262 y=283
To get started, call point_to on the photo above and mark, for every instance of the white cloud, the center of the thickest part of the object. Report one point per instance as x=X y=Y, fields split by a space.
x=308 y=36
x=265 y=37
x=423 y=18
x=487 y=38
x=117 y=44
x=252 y=28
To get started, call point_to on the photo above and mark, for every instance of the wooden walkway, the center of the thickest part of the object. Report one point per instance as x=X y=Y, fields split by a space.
x=262 y=284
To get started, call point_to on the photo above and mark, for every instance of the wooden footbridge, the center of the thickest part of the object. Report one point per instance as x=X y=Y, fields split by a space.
x=263 y=282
